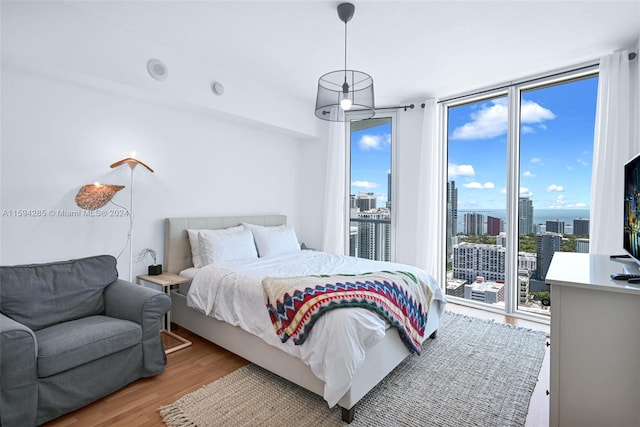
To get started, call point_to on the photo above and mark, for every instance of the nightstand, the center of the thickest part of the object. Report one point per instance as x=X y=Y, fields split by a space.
x=167 y=281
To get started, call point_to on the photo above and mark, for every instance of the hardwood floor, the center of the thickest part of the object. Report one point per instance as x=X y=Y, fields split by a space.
x=191 y=368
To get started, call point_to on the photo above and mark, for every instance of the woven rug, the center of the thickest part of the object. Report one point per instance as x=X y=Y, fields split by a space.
x=475 y=373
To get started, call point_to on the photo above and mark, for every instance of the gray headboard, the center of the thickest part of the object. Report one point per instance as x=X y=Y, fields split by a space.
x=177 y=250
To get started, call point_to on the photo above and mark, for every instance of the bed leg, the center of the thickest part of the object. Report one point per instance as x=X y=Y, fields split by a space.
x=433 y=334
x=348 y=414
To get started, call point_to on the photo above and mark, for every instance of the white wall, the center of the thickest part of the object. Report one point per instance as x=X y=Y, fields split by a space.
x=58 y=136
x=71 y=107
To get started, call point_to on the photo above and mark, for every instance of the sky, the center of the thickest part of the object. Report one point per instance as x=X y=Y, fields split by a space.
x=555 y=152
x=371 y=161
x=556 y=148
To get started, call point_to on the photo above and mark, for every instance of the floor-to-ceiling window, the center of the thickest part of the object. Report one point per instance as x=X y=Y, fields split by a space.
x=519 y=185
x=371 y=188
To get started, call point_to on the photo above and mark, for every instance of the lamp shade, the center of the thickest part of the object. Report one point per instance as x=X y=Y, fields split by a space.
x=95 y=196
x=335 y=86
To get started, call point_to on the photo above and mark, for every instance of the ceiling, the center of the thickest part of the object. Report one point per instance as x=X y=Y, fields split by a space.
x=413 y=49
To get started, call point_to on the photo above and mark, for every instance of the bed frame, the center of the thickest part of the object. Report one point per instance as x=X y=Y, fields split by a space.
x=380 y=359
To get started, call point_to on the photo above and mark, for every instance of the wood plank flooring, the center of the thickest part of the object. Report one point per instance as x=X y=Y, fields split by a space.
x=191 y=368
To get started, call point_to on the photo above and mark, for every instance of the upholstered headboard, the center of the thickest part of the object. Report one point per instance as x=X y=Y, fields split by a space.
x=177 y=250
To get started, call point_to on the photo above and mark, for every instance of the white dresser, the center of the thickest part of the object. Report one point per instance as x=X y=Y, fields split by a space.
x=595 y=343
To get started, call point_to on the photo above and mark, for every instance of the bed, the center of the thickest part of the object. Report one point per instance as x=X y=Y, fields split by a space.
x=380 y=357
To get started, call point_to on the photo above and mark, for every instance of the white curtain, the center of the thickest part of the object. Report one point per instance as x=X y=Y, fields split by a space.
x=614 y=144
x=333 y=236
x=431 y=218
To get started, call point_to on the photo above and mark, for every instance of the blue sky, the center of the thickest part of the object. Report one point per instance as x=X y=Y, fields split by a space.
x=371 y=161
x=555 y=152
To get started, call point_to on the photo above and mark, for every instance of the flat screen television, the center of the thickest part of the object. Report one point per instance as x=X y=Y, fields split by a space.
x=631 y=236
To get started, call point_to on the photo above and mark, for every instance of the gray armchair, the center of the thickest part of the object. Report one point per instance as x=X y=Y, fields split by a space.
x=70 y=333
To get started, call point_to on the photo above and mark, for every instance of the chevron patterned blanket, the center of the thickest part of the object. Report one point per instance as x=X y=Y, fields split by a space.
x=296 y=303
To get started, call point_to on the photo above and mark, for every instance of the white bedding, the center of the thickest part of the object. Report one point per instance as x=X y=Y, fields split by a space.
x=232 y=292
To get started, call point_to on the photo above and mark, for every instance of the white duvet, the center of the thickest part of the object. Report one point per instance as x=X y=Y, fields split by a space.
x=232 y=292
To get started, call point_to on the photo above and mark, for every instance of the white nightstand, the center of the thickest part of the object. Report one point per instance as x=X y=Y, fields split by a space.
x=166 y=281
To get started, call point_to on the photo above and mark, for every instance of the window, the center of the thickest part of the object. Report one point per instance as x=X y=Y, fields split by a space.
x=519 y=186
x=371 y=189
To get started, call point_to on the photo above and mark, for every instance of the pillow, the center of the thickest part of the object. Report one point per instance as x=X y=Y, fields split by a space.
x=196 y=251
x=274 y=240
x=229 y=244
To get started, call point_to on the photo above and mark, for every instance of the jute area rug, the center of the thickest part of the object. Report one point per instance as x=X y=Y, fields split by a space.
x=475 y=373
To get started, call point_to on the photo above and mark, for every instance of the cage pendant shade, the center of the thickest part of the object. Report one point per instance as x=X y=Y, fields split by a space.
x=331 y=93
x=345 y=90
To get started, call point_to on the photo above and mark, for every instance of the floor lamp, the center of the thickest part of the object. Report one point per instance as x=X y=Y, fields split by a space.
x=132 y=162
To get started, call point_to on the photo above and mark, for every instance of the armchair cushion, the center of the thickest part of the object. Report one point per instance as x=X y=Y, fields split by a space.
x=41 y=295
x=74 y=343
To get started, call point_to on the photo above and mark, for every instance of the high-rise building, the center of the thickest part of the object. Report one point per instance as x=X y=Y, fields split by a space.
x=389 y=190
x=452 y=217
x=546 y=245
x=452 y=208
x=494 y=225
x=582 y=246
x=471 y=260
x=525 y=209
x=473 y=224
x=366 y=201
x=581 y=227
x=555 y=226
x=374 y=235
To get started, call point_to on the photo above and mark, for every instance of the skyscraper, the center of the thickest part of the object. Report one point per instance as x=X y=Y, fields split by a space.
x=525 y=208
x=555 y=226
x=494 y=226
x=389 y=190
x=546 y=245
x=452 y=217
x=581 y=227
x=452 y=208
x=366 y=201
x=473 y=224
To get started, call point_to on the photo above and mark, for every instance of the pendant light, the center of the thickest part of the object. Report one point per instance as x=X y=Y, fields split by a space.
x=345 y=90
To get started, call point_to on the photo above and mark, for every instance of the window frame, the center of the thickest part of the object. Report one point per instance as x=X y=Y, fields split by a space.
x=513 y=91
x=353 y=117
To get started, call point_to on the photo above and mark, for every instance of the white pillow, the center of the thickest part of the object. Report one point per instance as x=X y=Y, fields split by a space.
x=230 y=244
x=196 y=256
x=274 y=240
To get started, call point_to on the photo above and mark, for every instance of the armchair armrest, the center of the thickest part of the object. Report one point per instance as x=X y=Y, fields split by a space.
x=145 y=306
x=18 y=371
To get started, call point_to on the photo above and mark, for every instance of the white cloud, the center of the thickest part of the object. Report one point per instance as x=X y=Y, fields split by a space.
x=491 y=120
x=554 y=187
x=479 y=186
x=460 y=170
x=526 y=129
x=365 y=185
x=532 y=112
x=582 y=162
x=528 y=174
x=536 y=160
x=581 y=205
x=373 y=142
x=525 y=192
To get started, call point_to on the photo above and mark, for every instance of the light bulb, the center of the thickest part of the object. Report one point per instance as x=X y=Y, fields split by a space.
x=132 y=154
x=346 y=103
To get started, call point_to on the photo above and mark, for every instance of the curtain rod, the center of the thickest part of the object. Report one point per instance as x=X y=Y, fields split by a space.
x=397 y=107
